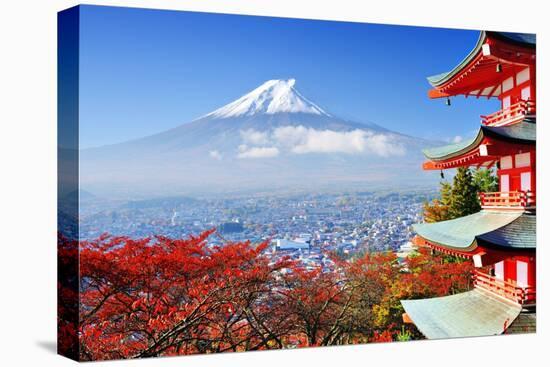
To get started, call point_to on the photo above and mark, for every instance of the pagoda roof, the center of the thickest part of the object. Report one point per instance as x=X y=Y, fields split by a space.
x=523 y=39
x=492 y=228
x=438 y=79
x=472 y=313
x=523 y=132
x=482 y=63
x=524 y=323
x=520 y=233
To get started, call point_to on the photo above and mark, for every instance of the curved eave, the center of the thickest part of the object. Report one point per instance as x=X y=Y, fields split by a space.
x=461 y=234
x=466 y=251
x=524 y=133
x=442 y=78
x=480 y=59
x=454 y=150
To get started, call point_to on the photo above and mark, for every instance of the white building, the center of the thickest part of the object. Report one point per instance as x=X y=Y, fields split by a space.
x=284 y=244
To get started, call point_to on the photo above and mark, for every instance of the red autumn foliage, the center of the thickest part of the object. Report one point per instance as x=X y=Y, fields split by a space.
x=382 y=337
x=161 y=296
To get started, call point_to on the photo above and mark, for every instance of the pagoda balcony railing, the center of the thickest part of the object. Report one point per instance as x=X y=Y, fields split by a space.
x=510 y=290
x=509 y=199
x=510 y=115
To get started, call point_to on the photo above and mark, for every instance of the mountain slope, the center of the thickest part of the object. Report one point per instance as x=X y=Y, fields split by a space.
x=272 y=97
x=272 y=137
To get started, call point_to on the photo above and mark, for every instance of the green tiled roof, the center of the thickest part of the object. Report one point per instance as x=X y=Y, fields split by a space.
x=461 y=233
x=521 y=233
x=522 y=132
x=524 y=323
x=523 y=39
x=473 y=313
x=453 y=150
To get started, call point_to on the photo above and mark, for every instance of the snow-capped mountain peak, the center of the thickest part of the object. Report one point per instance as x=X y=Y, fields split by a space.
x=273 y=96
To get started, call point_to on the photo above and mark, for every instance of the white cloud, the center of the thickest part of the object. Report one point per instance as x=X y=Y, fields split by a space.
x=257 y=152
x=384 y=145
x=301 y=140
x=254 y=137
x=290 y=136
x=215 y=154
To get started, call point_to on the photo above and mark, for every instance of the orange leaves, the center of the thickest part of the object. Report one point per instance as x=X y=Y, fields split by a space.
x=162 y=296
x=437 y=275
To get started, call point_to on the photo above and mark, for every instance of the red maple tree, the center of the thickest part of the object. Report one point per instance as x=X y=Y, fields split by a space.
x=129 y=298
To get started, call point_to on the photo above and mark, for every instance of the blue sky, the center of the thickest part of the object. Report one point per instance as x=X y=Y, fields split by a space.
x=144 y=71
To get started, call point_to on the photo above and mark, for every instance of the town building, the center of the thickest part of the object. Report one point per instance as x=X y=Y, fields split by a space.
x=500 y=239
x=282 y=244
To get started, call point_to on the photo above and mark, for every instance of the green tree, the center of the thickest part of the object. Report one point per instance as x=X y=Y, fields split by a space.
x=464 y=194
x=438 y=209
x=485 y=180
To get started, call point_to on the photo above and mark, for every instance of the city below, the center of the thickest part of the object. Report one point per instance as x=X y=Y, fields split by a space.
x=306 y=227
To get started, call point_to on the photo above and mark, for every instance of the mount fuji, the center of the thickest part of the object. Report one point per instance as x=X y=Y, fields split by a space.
x=272 y=138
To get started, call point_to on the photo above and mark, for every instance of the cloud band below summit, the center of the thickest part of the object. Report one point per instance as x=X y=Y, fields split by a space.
x=303 y=140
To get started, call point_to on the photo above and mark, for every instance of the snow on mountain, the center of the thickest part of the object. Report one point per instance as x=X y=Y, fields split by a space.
x=274 y=96
x=271 y=138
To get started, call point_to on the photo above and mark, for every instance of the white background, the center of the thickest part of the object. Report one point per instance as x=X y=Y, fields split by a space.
x=28 y=181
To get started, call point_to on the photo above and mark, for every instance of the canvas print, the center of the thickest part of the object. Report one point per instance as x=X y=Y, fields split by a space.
x=233 y=183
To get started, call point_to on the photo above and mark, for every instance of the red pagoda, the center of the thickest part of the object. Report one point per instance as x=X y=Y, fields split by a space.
x=500 y=239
